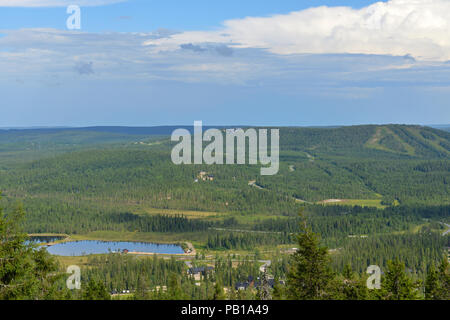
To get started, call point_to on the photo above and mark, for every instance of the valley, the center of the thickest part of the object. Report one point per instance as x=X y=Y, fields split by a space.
x=372 y=193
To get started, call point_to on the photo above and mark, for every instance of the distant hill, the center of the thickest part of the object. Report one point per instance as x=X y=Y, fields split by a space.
x=368 y=140
x=393 y=163
x=353 y=141
x=157 y=130
x=65 y=138
x=444 y=127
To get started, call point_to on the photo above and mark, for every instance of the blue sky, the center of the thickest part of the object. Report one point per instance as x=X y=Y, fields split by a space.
x=144 y=62
x=145 y=15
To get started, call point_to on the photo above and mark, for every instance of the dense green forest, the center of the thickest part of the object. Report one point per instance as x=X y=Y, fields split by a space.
x=28 y=273
x=374 y=193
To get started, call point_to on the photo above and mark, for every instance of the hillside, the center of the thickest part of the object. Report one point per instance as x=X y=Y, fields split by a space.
x=378 y=165
x=362 y=141
x=389 y=183
x=403 y=140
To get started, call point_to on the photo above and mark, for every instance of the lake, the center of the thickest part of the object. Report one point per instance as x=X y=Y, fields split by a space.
x=86 y=247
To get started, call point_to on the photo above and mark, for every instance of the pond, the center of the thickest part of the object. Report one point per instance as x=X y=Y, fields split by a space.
x=86 y=247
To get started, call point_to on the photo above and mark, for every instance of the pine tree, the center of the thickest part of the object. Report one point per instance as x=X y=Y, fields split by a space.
x=444 y=276
x=397 y=285
x=174 y=288
x=432 y=284
x=279 y=291
x=310 y=274
x=350 y=286
x=25 y=273
x=437 y=283
x=141 y=292
x=95 y=290
x=218 y=291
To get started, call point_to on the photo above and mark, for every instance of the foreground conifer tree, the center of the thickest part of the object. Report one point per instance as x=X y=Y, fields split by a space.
x=25 y=271
x=310 y=275
x=437 y=284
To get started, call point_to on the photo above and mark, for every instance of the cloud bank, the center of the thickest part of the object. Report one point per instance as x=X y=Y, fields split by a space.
x=383 y=63
x=416 y=28
x=85 y=68
x=315 y=48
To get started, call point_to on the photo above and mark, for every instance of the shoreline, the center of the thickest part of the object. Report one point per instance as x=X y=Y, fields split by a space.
x=187 y=247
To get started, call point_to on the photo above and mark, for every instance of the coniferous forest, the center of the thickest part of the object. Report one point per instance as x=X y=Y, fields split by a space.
x=344 y=199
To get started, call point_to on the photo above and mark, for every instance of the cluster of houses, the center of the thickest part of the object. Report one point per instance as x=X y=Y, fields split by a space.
x=204 y=176
x=199 y=273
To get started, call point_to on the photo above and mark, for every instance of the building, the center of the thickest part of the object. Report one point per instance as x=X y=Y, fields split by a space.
x=198 y=272
x=205 y=176
x=251 y=283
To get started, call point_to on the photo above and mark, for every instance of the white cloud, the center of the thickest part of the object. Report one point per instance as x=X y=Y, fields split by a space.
x=419 y=28
x=33 y=54
x=55 y=3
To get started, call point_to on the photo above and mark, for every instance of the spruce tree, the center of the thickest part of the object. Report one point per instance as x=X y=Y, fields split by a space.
x=279 y=291
x=310 y=273
x=174 y=288
x=25 y=272
x=218 y=291
x=396 y=284
x=432 y=284
x=351 y=286
x=437 y=283
x=95 y=290
x=444 y=276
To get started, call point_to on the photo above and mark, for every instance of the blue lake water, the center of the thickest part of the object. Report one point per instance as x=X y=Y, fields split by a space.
x=86 y=247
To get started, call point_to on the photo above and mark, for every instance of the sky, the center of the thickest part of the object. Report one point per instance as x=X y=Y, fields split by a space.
x=285 y=62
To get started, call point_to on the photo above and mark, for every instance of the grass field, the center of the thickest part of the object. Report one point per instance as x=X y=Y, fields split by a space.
x=81 y=261
x=355 y=202
x=172 y=212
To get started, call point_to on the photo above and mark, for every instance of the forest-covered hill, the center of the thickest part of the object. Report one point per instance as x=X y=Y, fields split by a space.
x=121 y=181
x=392 y=164
x=351 y=141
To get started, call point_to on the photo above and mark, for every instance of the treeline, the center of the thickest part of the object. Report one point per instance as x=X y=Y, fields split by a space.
x=417 y=251
x=124 y=272
x=344 y=221
x=311 y=276
x=68 y=219
x=26 y=273
x=246 y=240
x=363 y=236
x=120 y=273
